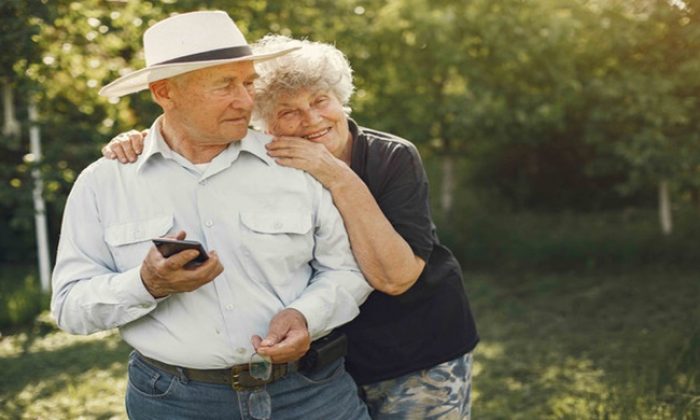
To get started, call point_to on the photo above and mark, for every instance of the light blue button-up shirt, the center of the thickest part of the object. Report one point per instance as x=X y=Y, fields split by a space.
x=280 y=239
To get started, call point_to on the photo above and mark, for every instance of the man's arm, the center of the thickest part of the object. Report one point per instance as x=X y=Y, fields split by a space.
x=89 y=294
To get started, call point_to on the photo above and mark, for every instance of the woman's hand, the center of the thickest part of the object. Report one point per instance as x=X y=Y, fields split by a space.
x=308 y=156
x=126 y=147
x=385 y=258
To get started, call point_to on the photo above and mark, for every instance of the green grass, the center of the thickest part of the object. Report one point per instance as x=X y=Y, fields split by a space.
x=587 y=345
x=577 y=345
x=48 y=374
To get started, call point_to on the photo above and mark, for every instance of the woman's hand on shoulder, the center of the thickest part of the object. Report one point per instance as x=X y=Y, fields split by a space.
x=308 y=156
x=125 y=147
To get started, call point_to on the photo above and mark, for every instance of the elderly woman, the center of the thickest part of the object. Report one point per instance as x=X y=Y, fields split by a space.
x=410 y=347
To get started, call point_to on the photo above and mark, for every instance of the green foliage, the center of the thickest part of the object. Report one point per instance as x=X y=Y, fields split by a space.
x=486 y=236
x=21 y=298
x=554 y=104
x=559 y=104
x=19 y=23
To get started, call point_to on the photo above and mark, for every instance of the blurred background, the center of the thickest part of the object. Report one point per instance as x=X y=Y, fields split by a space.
x=562 y=144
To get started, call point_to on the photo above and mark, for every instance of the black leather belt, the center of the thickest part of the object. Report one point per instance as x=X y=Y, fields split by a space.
x=237 y=376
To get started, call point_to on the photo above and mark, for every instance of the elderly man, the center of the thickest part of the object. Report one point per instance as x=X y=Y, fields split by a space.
x=283 y=272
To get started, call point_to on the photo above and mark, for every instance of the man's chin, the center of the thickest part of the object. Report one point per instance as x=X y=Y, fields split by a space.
x=236 y=135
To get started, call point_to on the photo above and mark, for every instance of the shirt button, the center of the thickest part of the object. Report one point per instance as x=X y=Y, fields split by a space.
x=229 y=307
x=277 y=225
x=209 y=223
x=240 y=350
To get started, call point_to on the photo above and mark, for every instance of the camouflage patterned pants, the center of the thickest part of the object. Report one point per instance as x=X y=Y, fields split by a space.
x=441 y=392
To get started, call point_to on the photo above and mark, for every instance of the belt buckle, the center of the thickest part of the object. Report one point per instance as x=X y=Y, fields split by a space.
x=236 y=378
x=242 y=381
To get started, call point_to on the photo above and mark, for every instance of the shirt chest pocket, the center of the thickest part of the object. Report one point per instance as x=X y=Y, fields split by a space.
x=278 y=237
x=130 y=242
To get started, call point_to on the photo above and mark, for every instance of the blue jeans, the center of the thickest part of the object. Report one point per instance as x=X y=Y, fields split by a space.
x=328 y=393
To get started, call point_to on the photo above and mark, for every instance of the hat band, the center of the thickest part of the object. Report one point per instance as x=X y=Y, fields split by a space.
x=220 y=54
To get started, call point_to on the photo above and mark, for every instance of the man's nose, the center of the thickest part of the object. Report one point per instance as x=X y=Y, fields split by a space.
x=242 y=98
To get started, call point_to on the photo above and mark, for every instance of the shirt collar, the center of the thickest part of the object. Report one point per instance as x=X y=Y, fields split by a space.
x=154 y=145
x=253 y=143
x=355 y=129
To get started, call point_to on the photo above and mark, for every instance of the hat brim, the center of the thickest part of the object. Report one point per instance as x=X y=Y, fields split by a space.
x=140 y=79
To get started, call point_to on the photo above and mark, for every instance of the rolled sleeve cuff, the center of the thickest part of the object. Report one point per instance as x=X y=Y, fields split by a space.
x=319 y=316
x=323 y=313
x=131 y=290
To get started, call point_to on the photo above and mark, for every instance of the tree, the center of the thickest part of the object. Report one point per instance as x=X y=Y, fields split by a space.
x=650 y=83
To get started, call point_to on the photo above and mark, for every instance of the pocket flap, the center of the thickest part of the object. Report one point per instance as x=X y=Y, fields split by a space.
x=143 y=230
x=277 y=222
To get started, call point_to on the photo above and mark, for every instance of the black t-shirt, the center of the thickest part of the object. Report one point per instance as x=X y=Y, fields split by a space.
x=430 y=323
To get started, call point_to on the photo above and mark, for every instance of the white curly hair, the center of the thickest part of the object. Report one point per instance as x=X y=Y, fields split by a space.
x=314 y=66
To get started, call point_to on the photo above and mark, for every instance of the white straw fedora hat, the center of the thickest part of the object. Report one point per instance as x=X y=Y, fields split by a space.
x=184 y=43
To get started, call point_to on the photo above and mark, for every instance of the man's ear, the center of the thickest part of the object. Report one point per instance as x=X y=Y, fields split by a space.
x=162 y=93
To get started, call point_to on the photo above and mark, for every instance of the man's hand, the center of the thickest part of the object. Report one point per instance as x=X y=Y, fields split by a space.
x=125 y=146
x=163 y=276
x=287 y=338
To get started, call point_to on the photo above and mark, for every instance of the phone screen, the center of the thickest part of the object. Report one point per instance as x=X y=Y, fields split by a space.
x=169 y=247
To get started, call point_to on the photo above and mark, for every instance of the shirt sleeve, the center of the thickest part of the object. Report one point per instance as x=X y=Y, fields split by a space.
x=89 y=295
x=404 y=199
x=337 y=288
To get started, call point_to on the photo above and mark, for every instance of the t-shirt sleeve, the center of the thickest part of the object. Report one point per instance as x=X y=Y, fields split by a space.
x=404 y=199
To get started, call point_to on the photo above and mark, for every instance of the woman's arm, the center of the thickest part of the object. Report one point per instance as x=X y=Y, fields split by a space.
x=385 y=258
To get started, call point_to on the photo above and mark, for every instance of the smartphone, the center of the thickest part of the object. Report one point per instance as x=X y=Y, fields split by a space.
x=168 y=247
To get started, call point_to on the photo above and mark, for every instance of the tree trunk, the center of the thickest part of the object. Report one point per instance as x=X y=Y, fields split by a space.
x=665 y=216
x=42 y=237
x=11 y=127
x=448 y=185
